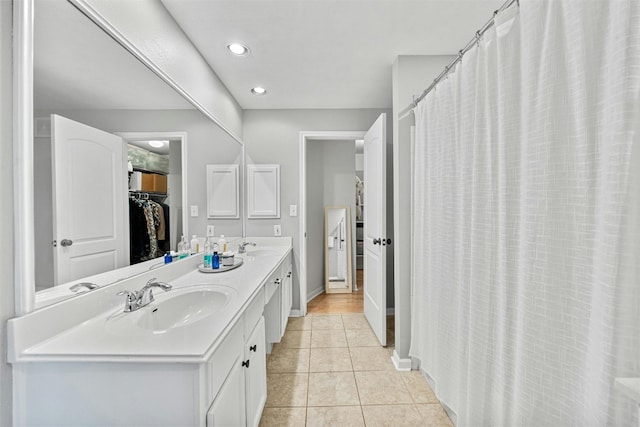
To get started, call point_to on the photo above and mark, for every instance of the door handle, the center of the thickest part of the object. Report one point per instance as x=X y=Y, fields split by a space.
x=66 y=242
x=386 y=242
x=377 y=241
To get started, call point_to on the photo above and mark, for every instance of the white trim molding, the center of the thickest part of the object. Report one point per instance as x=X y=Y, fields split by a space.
x=23 y=186
x=400 y=364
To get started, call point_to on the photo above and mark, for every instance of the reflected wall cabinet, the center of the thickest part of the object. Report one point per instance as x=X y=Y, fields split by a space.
x=263 y=191
x=223 y=191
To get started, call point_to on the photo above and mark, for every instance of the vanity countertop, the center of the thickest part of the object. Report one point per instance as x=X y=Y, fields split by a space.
x=91 y=340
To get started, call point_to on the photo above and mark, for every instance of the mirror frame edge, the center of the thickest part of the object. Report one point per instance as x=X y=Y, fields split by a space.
x=91 y=13
x=23 y=182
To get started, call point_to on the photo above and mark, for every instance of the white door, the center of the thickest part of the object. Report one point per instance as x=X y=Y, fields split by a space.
x=89 y=195
x=375 y=227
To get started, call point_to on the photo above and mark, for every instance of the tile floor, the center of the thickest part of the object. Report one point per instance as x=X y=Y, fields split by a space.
x=329 y=370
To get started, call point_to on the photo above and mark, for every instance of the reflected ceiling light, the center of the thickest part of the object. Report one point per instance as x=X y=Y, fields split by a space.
x=258 y=90
x=158 y=144
x=238 y=49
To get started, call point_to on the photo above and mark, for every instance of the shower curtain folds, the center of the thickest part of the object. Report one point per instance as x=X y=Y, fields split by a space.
x=526 y=291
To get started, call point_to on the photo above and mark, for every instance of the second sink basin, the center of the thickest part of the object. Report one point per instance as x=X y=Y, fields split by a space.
x=173 y=309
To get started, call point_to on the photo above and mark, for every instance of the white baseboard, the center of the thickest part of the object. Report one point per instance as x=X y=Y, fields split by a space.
x=314 y=294
x=400 y=364
x=295 y=313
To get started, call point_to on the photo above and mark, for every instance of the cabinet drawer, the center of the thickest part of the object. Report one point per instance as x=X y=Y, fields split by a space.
x=272 y=286
x=220 y=364
x=253 y=313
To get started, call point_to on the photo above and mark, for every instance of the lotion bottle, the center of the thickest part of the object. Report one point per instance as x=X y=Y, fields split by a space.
x=195 y=245
x=222 y=244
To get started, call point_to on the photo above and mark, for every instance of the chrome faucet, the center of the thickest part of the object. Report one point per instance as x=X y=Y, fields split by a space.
x=242 y=247
x=78 y=286
x=137 y=299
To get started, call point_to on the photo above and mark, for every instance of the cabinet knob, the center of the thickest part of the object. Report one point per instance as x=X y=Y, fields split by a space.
x=246 y=363
x=253 y=347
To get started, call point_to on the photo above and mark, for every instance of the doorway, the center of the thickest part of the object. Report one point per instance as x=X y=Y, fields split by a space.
x=174 y=146
x=328 y=177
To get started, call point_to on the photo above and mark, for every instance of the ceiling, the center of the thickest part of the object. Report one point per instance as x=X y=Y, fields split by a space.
x=307 y=53
x=323 y=53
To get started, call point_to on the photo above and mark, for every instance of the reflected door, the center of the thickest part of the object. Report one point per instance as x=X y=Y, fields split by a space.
x=337 y=249
x=375 y=228
x=89 y=214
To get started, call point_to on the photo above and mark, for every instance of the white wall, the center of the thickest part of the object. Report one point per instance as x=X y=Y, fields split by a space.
x=147 y=25
x=330 y=182
x=273 y=136
x=6 y=208
x=411 y=75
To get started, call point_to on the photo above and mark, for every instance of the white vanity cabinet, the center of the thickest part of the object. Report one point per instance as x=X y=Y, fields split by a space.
x=286 y=294
x=255 y=374
x=209 y=374
x=278 y=302
x=228 y=409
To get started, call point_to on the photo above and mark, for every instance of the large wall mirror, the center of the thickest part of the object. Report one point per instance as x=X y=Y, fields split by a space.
x=87 y=86
x=337 y=249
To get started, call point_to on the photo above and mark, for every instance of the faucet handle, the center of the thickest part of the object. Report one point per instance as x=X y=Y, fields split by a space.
x=131 y=302
x=146 y=297
x=152 y=280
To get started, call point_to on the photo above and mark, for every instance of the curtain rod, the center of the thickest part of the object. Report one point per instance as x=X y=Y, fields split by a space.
x=461 y=53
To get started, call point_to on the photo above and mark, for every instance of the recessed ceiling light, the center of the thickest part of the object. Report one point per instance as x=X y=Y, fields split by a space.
x=238 y=49
x=258 y=90
x=158 y=144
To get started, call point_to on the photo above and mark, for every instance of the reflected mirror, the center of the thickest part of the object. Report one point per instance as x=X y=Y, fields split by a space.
x=99 y=115
x=337 y=249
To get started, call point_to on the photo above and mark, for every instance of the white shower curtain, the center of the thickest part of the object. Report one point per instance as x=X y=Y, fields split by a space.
x=526 y=290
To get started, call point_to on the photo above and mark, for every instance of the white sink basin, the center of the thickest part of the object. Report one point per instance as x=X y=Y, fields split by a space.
x=174 y=309
x=262 y=252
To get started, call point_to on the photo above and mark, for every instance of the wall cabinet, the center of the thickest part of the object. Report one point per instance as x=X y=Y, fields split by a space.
x=223 y=195
x=263 y=191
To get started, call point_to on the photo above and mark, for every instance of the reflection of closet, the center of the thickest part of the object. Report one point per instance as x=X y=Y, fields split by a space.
x=149 y=215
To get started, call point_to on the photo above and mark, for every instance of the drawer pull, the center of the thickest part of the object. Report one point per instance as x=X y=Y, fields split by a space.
x=253 y=347
x=246 y=363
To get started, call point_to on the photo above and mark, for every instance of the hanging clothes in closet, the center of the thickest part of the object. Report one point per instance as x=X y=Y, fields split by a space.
x=148 y=229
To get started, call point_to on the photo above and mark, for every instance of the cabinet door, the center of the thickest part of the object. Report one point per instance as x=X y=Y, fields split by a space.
x=286 y=298
x=228 y=408
x=255 y=374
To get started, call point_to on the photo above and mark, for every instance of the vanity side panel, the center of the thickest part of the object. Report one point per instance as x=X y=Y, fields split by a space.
x=76 y=394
